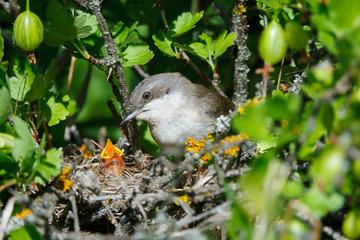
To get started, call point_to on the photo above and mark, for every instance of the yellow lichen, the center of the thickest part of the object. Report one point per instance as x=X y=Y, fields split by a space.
x=251 y=103
x=210 y=137
x=184 y=198
x=23 y=213
x=67 y=184
x=239 y=9
x=195 y=146
x=86 y=152
x=234 y=150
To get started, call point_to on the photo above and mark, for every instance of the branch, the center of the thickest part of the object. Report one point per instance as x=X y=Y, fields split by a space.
x=124 y=94
x=185 y=58
x=241 y=68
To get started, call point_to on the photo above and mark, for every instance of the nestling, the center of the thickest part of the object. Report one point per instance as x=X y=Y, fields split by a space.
x=176 y=109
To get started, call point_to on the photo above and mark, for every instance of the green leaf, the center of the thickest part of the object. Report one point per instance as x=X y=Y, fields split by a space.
x=121 y=33
x=24 y=148
x=163 y=41
x=6 y=141
x=208 y=43
x=136 y=55
x=324 y=202
x=55 y=109
x=85 y=24
x=62 y=25
x=20 y=84
x=41 y=84
x=49 y=166
x=185 y=22
x=200 y=50
x=204 y=51
x=3 y=75
x=1 y=47
x=8 y=164
x=5 y=104
x=37 y=89
x=25 y=233
x=223 y=42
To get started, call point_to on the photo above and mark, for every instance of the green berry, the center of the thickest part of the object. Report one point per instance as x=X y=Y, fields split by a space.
x=272 y=47
x=28 y=30
x=296 y=36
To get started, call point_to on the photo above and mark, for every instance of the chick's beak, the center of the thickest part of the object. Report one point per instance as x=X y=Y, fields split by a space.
x=131 y=115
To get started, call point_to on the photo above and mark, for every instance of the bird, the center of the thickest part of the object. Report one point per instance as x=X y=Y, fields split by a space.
x=176 y=109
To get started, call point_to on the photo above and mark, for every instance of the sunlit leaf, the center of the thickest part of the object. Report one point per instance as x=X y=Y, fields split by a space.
x=55 y=109
x=163 y=42
x=185 y=22
x=5 y=104
x=136 y=55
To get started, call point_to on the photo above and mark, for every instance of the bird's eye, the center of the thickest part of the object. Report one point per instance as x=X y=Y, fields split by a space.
x=146 y=95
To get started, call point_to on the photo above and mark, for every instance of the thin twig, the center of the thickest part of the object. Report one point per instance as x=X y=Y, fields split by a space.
x=75 y=211
x=185 y=58
x=279 y=78
x=71 y=72
x=190 y=219
x=162 y=12
x=264 y=17
x=18 y=95
x=6 y=185
x=141 y=72
x=6 y=214
x=222 y=15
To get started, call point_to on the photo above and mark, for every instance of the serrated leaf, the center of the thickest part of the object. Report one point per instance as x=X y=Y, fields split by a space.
x=19 y=87
x=185 y=22
x=55 y=109
x=136 y=55
x=37 y=89
x=85 y=24
x=50 y=72
x=5 y=104
x=208 y=43
x=184 y=47
x=20 y=84
x=200 y=49
x=49 y=166
x=1 y=47
x=122 y=32
x=163 y=42
x=62 y=25
x=23 y=67
x=24 y=148
x=223 y=42
x=41 y=83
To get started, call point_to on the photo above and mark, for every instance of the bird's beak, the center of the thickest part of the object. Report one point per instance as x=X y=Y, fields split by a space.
x=131 y=115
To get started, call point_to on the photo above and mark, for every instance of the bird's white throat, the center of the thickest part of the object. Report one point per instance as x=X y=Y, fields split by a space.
x=173 y=119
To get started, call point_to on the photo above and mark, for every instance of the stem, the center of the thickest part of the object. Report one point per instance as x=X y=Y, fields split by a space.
x=222 y=15
x=84 y=54
x=281 y=68
x=185 y=58
x=27 y=6
x=17 y=98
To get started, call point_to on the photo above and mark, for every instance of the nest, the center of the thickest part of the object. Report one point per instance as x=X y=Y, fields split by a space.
x=154 y=198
